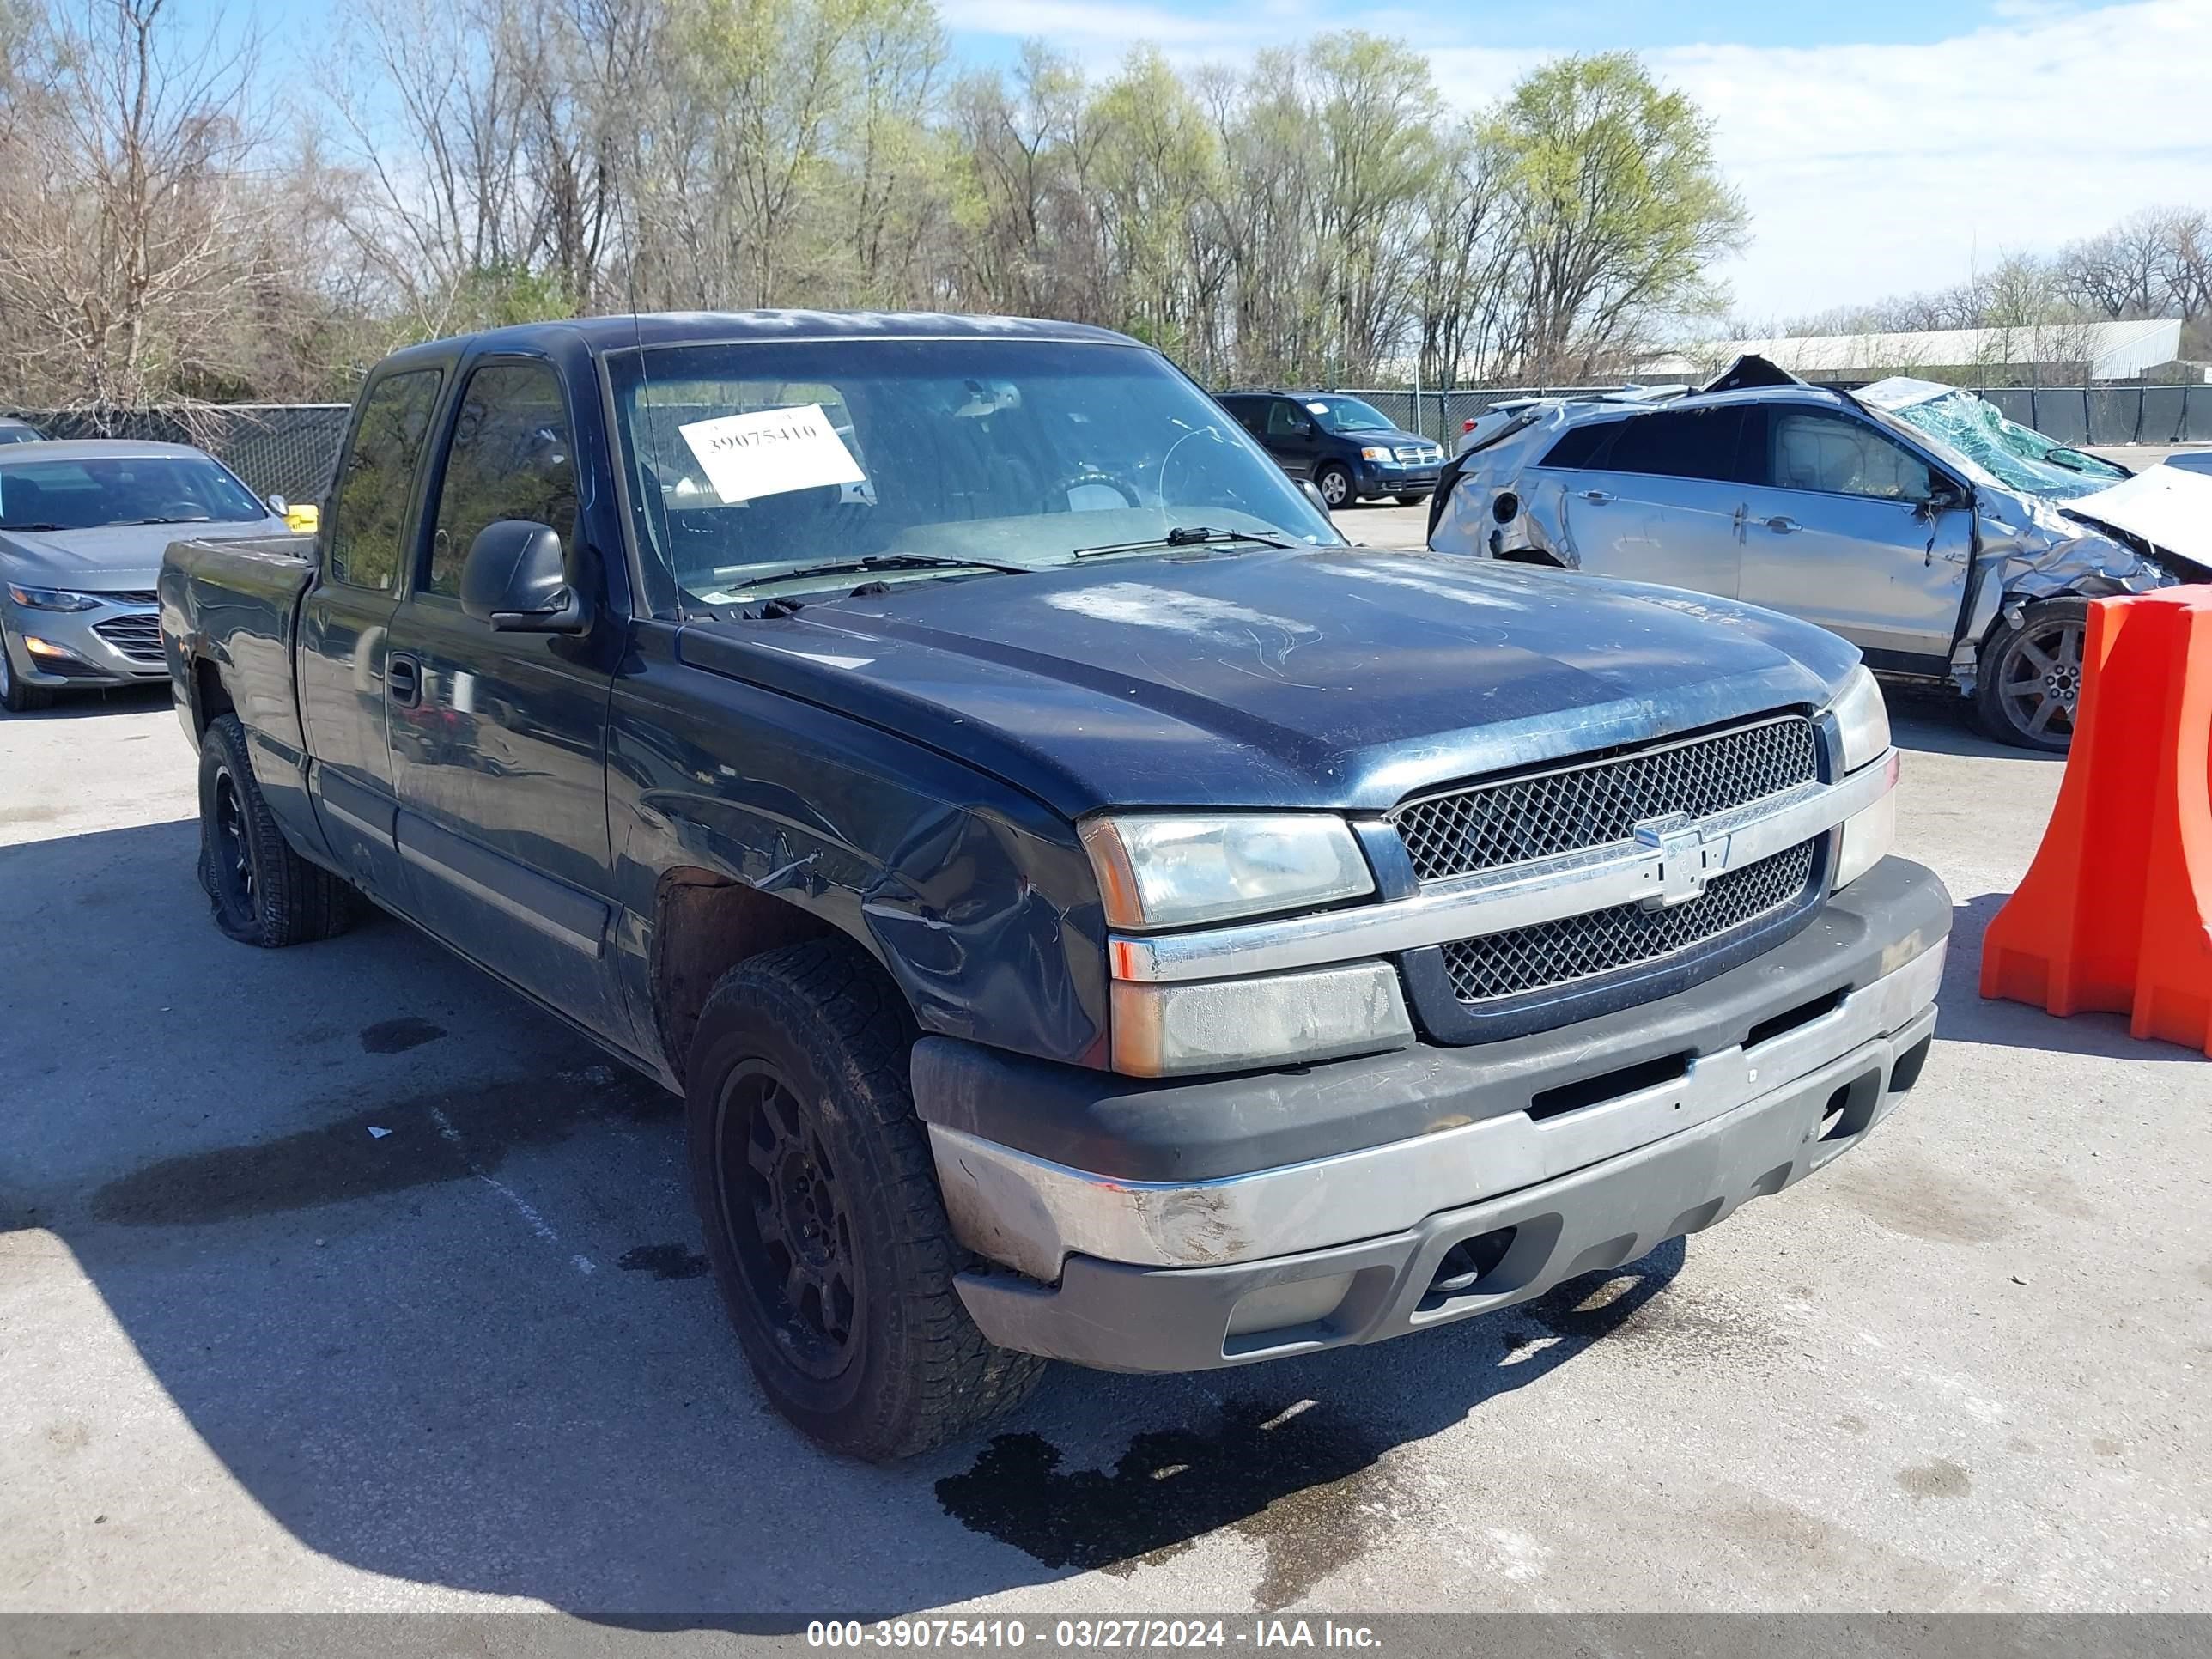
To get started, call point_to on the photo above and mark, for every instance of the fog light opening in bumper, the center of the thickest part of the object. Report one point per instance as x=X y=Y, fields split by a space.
x=1276 y=1314
x=1906 y=1071
x=1468 y=1263
x=1850 y=1109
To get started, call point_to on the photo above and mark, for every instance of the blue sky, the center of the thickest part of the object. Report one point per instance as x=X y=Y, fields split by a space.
x=991 y=26
x=1882 y=146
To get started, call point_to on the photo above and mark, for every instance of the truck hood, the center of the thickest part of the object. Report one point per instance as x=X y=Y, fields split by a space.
x=1341 y=678
x=109 y=558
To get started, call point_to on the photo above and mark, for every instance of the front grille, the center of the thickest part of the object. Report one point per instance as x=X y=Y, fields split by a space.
x=133 y=597
x=1599 y=802
x=1554 y=953
x=138 y=638
x=1415 y=454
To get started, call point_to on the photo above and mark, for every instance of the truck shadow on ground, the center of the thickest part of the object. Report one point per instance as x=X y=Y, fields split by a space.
x=1968 y=1017
x=417 y=1269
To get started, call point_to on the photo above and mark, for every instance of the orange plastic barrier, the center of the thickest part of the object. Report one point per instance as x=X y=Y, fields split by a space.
x=2116 y=912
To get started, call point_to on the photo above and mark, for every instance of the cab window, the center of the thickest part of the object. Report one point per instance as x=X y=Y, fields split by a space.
x=368 y=505
x=509 y=458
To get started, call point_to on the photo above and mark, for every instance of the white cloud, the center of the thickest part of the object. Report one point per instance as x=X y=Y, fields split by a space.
x=1873 y=169
x=1868 y=169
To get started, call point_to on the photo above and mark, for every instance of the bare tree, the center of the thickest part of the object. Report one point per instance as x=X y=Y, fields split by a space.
x=127 y=261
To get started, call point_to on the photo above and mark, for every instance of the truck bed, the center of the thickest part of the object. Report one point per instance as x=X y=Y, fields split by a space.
x=233 y=606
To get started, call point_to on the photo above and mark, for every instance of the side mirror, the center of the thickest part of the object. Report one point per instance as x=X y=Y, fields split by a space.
x=1311 y=491
x=1943 y=495
x=517 y=579
x=279 y=506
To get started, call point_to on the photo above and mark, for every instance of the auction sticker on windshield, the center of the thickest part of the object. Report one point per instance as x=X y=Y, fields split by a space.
x=770 y=451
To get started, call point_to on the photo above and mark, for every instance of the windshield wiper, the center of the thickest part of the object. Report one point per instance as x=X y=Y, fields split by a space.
x=32 y=526
x=1189 y=536
x=200 y=519
x=873 y=562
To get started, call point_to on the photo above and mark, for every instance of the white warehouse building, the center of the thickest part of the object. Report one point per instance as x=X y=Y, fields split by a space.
x=2051 y=353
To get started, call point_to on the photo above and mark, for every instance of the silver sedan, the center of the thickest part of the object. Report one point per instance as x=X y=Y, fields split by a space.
x=83 y=524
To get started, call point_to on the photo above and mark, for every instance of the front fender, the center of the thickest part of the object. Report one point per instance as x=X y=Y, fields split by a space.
x=977 y=900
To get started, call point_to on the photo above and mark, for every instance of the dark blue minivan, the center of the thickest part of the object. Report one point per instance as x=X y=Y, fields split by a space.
x=1351 y=450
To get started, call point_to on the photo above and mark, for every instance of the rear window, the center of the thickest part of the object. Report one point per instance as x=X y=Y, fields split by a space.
x=1675 y=443
x=1579 y=443
x=1679 y=443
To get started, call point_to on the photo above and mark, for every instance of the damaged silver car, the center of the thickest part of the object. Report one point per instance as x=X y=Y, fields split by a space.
x=1949 y=550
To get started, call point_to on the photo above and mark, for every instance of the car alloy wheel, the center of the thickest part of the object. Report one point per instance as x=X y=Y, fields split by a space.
x=2039 y=681
x=1335 y=486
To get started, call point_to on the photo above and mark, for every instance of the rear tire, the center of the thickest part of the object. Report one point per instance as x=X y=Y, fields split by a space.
x=2030 y=682
x=1413 y=500
x=264 y=893
x=818 y=1199
x=15 y=696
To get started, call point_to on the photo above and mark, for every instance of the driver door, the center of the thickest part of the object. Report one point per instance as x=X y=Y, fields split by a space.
x=1845 y=526
x=499 y=739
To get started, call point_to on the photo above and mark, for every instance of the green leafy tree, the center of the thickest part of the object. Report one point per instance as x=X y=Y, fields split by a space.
x=1620 y=209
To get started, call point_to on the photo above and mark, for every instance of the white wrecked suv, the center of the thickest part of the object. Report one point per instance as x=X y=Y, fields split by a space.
x=1883 y=516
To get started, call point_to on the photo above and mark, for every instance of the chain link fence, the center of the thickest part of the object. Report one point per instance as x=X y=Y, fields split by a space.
x=280 y=449
x=292 y=449
x=2071 y=414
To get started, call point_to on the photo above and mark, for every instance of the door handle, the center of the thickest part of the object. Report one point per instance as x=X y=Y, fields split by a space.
x=1600 y=496
x=1782 y=526
x=402 y=680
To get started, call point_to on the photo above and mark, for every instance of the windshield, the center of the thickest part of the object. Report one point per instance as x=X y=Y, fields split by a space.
x=2015 y=455
x=751 y=462
x=1349 y=415
x=88 y=493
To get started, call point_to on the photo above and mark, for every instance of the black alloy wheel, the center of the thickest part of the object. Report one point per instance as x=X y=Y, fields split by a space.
x=786 y=1219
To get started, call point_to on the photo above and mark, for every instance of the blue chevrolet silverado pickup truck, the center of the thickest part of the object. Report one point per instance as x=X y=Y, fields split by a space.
x=1090 y=910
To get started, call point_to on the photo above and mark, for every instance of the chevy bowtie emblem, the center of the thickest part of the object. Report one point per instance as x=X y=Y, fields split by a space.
x=1678 y=850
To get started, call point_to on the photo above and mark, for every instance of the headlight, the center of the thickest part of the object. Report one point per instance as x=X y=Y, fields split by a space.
x=52 y=599
x=1867 y=837
x=1371 y=454
x=1865 y=717
x=1236 y=1025
x=1174 y=871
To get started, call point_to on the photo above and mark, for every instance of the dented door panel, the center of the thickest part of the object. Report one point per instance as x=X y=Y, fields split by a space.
x=1886 y=576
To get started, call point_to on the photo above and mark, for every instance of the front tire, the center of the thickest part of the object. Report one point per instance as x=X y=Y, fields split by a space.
x=1334 y=484
x=2030 y=684
x=264 y=893
x=819 y=1202
x=15 y=696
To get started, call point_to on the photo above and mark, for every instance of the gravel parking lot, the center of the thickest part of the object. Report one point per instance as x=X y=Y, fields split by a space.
x=340 y=1279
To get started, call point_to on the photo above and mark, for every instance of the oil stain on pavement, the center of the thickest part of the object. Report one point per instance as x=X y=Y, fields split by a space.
x=396 y=1037
x=1291 y=1480
x=664 y=1261
x=388 y=1147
